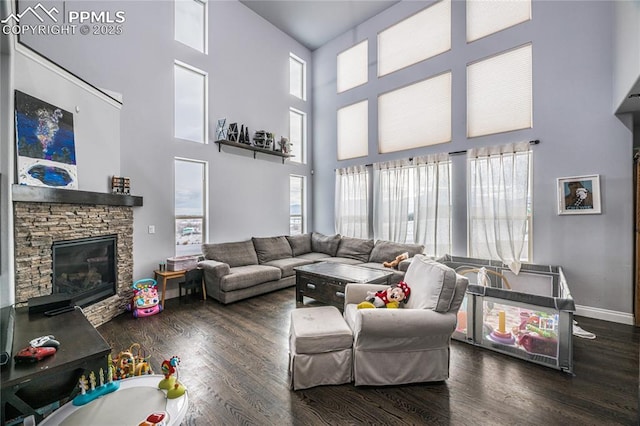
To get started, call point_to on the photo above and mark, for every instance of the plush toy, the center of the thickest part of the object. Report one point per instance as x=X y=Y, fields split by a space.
x=394 y=263
x=391 y=297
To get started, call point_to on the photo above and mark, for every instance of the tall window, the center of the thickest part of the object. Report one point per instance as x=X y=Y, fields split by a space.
x=353 y=131
x=190 y=23
x=488 y=17
x=296 y=205
x=500 y=203
x=432 y=204
x=190 y=186
x=500 y=93
x=353 y=67
x=297 y=77
x=391 y=200
x=416 y=115
x=297 y=134
x=190 y=107
x=419 y=37
x=352 y=202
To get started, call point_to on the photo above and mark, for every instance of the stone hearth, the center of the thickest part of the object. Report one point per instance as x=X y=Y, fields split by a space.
x=38 y=224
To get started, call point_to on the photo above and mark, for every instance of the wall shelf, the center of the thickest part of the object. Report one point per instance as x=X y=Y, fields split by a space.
x=40 y=194
x=255 y=149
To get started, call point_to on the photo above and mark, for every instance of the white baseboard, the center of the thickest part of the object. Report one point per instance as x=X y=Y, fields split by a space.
x=604 y=314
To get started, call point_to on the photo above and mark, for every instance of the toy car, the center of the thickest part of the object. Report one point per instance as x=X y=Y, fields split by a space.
x=145 y=298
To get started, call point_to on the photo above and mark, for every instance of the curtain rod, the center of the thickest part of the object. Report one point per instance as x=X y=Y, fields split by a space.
x=464 y=151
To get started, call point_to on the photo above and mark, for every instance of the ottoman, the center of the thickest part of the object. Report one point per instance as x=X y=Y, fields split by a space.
x=320 y=351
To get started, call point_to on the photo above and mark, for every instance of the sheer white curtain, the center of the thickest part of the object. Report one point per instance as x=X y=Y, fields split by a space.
x=498 y=196
x=432 y=203
x=391 y=200
x=352 y=202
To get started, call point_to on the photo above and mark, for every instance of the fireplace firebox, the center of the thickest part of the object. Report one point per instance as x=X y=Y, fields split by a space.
x=85 y=269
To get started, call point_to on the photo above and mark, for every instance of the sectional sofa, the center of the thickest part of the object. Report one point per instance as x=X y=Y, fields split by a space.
x=242 y=269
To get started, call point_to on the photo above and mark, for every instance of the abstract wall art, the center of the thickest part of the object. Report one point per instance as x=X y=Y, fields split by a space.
x=46 y=154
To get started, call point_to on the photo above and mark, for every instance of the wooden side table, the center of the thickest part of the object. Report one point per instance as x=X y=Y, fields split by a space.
x=169 y=275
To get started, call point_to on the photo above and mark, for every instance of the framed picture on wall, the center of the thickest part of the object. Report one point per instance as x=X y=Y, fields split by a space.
x=579 y=195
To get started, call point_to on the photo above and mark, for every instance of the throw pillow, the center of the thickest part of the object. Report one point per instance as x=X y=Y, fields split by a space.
x=432 y=284
x=271 y=248
x=240 y=253
x=300 y=244
x=355 y=248
x=387 y=251
x=327 y=244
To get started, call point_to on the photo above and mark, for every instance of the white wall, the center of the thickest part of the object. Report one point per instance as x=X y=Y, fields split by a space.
x=572 y=116
x=96 y=131
x=248 y=69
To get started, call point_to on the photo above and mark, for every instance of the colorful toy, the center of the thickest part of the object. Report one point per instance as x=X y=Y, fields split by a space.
x=171 y=384
x=391 y=297
x=155 y=419
x=145 y=298
x=130 y=363
x=88 y=389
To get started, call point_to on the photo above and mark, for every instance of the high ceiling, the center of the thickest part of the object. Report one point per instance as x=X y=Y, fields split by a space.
x=315 y=22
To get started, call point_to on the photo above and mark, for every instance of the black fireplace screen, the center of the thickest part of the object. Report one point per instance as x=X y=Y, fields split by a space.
x=85 y=269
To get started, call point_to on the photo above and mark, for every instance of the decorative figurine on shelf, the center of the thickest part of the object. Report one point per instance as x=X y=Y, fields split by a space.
x=241 y=134
x=171 y=384
x=285 y=145
x=233 y=132
x=221 y=132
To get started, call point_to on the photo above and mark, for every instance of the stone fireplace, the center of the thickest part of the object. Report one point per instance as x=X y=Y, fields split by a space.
x=43 y=216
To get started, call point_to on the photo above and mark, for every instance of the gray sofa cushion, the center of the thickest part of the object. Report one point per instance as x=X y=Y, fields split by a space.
x=249 y=276
x=271 y=248
x=300 y=244
x=355 y=248
x=316 y=257
x=327 y=244
x=239 y=253
x=387 y=251
x=286 y=265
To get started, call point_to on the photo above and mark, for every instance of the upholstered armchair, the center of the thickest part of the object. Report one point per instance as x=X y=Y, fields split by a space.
x=409 y=344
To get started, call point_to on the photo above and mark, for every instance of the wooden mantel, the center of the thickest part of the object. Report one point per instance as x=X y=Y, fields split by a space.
x=40 y=194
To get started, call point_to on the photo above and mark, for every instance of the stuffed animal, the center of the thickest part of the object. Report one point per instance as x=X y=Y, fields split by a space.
x=394 y=263
x=391 y=297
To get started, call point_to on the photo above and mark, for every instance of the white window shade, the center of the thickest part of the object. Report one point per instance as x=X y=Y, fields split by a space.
x=416 y=115
x=487 y=17
x=297 y=138
x=190 y=23
x=500 y=93
x=296 y=77
x=353 y=131
x=190 y=109
x=352 y=68
x=419 y=37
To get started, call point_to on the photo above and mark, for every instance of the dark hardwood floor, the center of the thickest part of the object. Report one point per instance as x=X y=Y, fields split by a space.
x=234 y=364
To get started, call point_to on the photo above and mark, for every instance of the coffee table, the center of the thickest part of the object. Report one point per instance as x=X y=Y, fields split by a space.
x=325 y=281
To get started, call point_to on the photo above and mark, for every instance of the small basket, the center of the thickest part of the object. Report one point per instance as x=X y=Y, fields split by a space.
x=181 y=263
